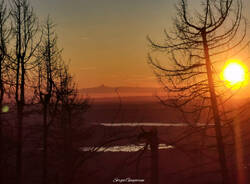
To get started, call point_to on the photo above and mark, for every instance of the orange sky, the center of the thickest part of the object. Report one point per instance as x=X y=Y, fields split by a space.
x=105 y=40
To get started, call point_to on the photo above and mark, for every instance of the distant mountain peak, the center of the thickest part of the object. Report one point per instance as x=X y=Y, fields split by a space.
x=102 y=86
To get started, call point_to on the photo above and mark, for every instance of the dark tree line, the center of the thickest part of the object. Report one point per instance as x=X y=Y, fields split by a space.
x=42 y=135
x=35 y=82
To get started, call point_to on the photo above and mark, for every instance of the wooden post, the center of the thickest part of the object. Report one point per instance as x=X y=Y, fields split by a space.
x=153 y=140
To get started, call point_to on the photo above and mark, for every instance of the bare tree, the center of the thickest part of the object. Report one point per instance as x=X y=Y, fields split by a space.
x=25 y=29
x=194 y=49
x=48 y=70
x=4 y=39
x=70 y=110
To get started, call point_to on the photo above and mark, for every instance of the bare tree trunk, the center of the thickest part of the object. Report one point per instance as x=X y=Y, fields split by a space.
x=19 y=143
x=22 y=81
x=25 y=29
x=1 y=146
x=48 y=61
x=217 y=121
x=45 y=144
x=66 y=165
x=1 y=125
x=19 y=106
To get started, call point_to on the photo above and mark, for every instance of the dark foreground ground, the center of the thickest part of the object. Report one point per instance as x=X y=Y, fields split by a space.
x=193 y=158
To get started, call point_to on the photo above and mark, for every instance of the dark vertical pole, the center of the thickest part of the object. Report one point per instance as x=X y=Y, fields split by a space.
x=154 y=157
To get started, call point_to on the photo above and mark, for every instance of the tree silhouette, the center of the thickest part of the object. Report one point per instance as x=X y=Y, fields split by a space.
x=69 y=128
x=49 y=57
x=25 y=28
x=35 y=78
x=195 y=49
x=4 y=40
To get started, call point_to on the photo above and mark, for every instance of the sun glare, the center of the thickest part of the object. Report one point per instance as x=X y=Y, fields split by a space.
x=235 y=74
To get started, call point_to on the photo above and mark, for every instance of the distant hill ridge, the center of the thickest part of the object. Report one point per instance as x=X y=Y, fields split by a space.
x=123 y=89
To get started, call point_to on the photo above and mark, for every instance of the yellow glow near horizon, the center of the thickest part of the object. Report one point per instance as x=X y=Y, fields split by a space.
x=235 y=74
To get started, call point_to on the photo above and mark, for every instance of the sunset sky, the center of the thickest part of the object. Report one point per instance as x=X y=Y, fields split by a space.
x=105 y=40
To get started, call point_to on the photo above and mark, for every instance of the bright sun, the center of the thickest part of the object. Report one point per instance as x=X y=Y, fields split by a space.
x=234 y=74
